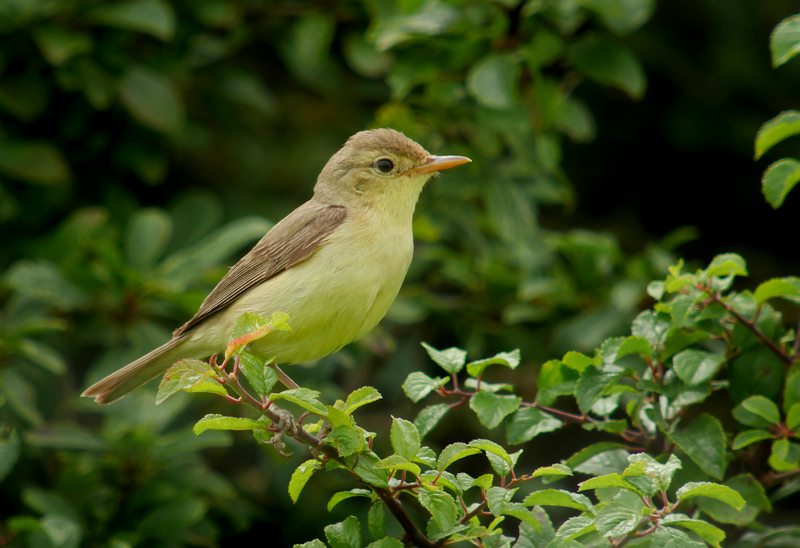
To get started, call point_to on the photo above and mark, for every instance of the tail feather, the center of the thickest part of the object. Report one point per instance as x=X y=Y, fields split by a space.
x=135 y=374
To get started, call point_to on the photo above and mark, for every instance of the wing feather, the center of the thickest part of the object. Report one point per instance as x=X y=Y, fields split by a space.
x=289 y=242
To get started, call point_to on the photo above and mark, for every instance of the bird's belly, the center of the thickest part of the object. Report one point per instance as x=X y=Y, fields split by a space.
x=331 y=300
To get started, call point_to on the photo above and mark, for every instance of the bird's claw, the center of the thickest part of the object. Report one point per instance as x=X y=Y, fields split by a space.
x=285 y=424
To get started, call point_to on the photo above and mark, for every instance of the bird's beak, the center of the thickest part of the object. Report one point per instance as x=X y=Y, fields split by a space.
x=438 y=163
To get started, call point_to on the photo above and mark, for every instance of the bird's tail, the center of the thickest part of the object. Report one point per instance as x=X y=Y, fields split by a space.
x=135 y=374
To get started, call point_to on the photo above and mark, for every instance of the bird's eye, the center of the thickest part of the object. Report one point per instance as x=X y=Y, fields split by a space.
x=385 y=165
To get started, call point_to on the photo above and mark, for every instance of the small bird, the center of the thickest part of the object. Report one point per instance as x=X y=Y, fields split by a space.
x=334 y=265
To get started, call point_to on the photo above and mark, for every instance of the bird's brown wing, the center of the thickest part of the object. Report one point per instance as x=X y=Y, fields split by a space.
x=289 y=242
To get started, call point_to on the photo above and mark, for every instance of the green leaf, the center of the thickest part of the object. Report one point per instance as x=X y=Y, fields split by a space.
x=258 y=372
x=59 y=44
x=557 y=469
x=661 y=472
x=451 y=359
x=574 y=528
x=316 y=543
x=780 y=178
x=491 y=448
x=577 y=361
x=696 y=366
x=787 y=288
x=344 y=495
x=498 y=498
x=429 y=417
x=784 y=125
x=608 y=480
x=442 y=507
x=594 y=383
x=527 y=423
x=452 y=453
x=716 y=491
x=652 y=327
x=147 y=236
x=346 y=534
x=387 y=542
x=304 y=397
x=491 y=409
x=152 y=99
x=348 y=439
x=622 y=16
x=418 y=385
x=508 y=359
x=366 y=468
x=712 y=535
x=617 y=519
x=784 y=43
x=9 y=449
x=405 y=438
x=300 y=477
x=669 y=537
x=785 y=456
x=559 y=497
x=727 y=264
x=42 y=355
x=588 y=453
x=221 y=422
x=611 y=65
x=32 y=162
x=43 y=281
x=494 y=81
x=376 y=520
x=153 y=17
x=634 y=345
x=705 y=443
x=793 y=417
x=359 y=397
x=757 y=411
x=188 y=375
x=748 y=437
x=754 y=495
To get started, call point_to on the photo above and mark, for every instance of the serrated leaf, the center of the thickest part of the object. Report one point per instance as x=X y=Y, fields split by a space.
x=345 y=534
x=344 y=495
x=616 y=519
x=774 y=131
x=527 y=423
x=696 y=366
x=670 y=537
x=451 y=359
x=727 y=264
x=366 y=469
x=387 y=542
x=716 y=491
x=359 y=397
x=452 y=453
x=442 y=507
x=508 y=359
x=787 y=288
x=784 y=43
x=634 y=345
x=652 y=327
x=221 y=422
x=705 y=443
x=703 y=529
x=594 y=383
x=587 y=453
x=574 y=528
x=185 y=375
x=396 y=462
x=491 y=409
x=498 y=498
x=258 y=372
x=779 y=179
x=557 y=469
x=376 y=520
x=429 y=417
x=418 y=385
x=348 y=439
x=754 y=495
x=491 y=448
x=251 y=327
x=300 y=477
x=748 y=437
x=757 y=411
x=663 y=473
x=559 y=497
x=304 y=397
x=405 y=438
x=608 y=480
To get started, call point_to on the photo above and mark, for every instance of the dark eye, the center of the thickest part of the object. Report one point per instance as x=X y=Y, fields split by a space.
x=385 y=165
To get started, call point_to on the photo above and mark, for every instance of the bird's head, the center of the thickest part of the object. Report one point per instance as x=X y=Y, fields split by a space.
x=380 y=166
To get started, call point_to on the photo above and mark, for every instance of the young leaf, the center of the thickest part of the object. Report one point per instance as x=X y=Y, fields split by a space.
x=451 y=359
x=429 y=417
x=251 y=327
x=185 y=375
x=784 y=43
x=301 y=476
x=779 y=179
x=508 y=359
x=714 y=490
x=557 y=470
x=418 y=385
x=258 y=372
x=221 y=422
x=344 y=495
x=405 y=438
x=304 y=397
x=359 y=397
x=396 y=462
x=705 y=443
x=787 y=288
x=493 y=408
x=527 y=423
x=774 y=131
x=348 y=439
x=346 y=534
x=727 y=264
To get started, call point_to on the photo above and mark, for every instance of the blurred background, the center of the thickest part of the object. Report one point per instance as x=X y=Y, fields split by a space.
x=146 y=144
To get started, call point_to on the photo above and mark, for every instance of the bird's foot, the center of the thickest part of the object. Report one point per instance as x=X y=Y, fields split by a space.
x=285 y=424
